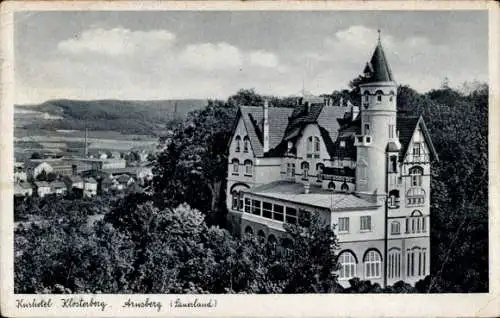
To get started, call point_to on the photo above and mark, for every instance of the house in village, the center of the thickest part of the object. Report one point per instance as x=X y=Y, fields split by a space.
x=43 y=188
x=363 y=169
x=23 y=189
x=58 y=188
x=73 y=183
x=89 y=187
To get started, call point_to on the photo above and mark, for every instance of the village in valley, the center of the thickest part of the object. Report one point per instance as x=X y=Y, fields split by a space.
x=90 y=173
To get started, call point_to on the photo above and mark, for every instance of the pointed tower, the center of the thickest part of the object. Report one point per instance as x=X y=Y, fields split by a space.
x=378 y=125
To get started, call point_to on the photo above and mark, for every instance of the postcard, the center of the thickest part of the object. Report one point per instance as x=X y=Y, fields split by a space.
x=249 y=159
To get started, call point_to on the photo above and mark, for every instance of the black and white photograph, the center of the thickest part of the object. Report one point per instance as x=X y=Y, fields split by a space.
x=247 y=152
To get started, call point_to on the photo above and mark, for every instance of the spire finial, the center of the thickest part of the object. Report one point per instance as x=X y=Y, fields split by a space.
x=378 y=35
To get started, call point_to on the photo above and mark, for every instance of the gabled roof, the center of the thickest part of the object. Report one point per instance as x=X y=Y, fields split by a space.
x=378 y=68
x=406 y=126
x=253 y=118
x=41 y=184
x=57 y=184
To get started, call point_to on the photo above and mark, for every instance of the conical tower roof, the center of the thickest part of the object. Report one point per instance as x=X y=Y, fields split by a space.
x=378 y=70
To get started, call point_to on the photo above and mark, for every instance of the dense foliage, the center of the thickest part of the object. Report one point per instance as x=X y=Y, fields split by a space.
x=154 y=243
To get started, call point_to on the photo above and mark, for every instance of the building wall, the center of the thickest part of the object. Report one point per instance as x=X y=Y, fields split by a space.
x=355 y=233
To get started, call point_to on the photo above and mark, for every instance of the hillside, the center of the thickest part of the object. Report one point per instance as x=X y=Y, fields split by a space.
x=131 y=117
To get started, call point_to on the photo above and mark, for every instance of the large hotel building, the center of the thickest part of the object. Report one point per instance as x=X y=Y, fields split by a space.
x=364 y=169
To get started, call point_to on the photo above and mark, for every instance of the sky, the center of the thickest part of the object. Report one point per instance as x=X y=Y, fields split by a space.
x=213 y=54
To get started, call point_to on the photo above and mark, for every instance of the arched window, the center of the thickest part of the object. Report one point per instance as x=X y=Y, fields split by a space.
x=248 y=167
x=366 y=98
x=246 y=144
x=261 y=235
x=238 y=143
x=309 y=144
x=379 y=96
x=417 y=222
x=391 y=96
x=344 y=187
x=236 y=166
x=317 y=145
x=416 y=176
x=395 y=228
x=287 y=245
x=331 y=186
x=249 y=230
x=393 y=202
x=319 y=171
x=416 y=261
x=394 y=265
x=305 y=170
x=373 y=263
x=347 y=263
x=272 y=242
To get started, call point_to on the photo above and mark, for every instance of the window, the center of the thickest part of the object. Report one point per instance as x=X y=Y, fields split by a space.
x=366 y=97
x=331 y=186
x=246 y=144
x=236 y=166
x=247 y=205
x=267 y=210
x=379 y=97
x=291 y=215
x=235 y=200
x=272 y=242
x=365 y=223
x=393 y=165
x=305 y=170
x=344 y=187
x=416 y=149
x=278 y=212
x=316 y=145
x=362 y=167
x=415 y=197
x=261 y=235
x=319 y=171
x=394 y=259
x=367 y=129
x=342 y=144
x=416 y=176
x=347 y=262
x=249 y=230
x=256 y=207
x=417 y=222
x=290 y=170
x=344 y=224
x=309 y=144
x=391 y=131
x=416 y=262
x=372 y=262
x=393 y=202
x=395 y=228
x=238 y=143
x=248 y=167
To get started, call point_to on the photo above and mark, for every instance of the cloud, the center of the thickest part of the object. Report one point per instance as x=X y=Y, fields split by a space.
x=263 y=58
x=116 y=42
x=209 y=56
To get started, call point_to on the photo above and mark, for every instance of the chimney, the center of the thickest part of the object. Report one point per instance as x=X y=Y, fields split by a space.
x=265 y=129
x=307 y=187
x=86 y=154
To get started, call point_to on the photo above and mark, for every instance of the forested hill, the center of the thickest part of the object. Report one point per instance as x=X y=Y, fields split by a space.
x=139 y=117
